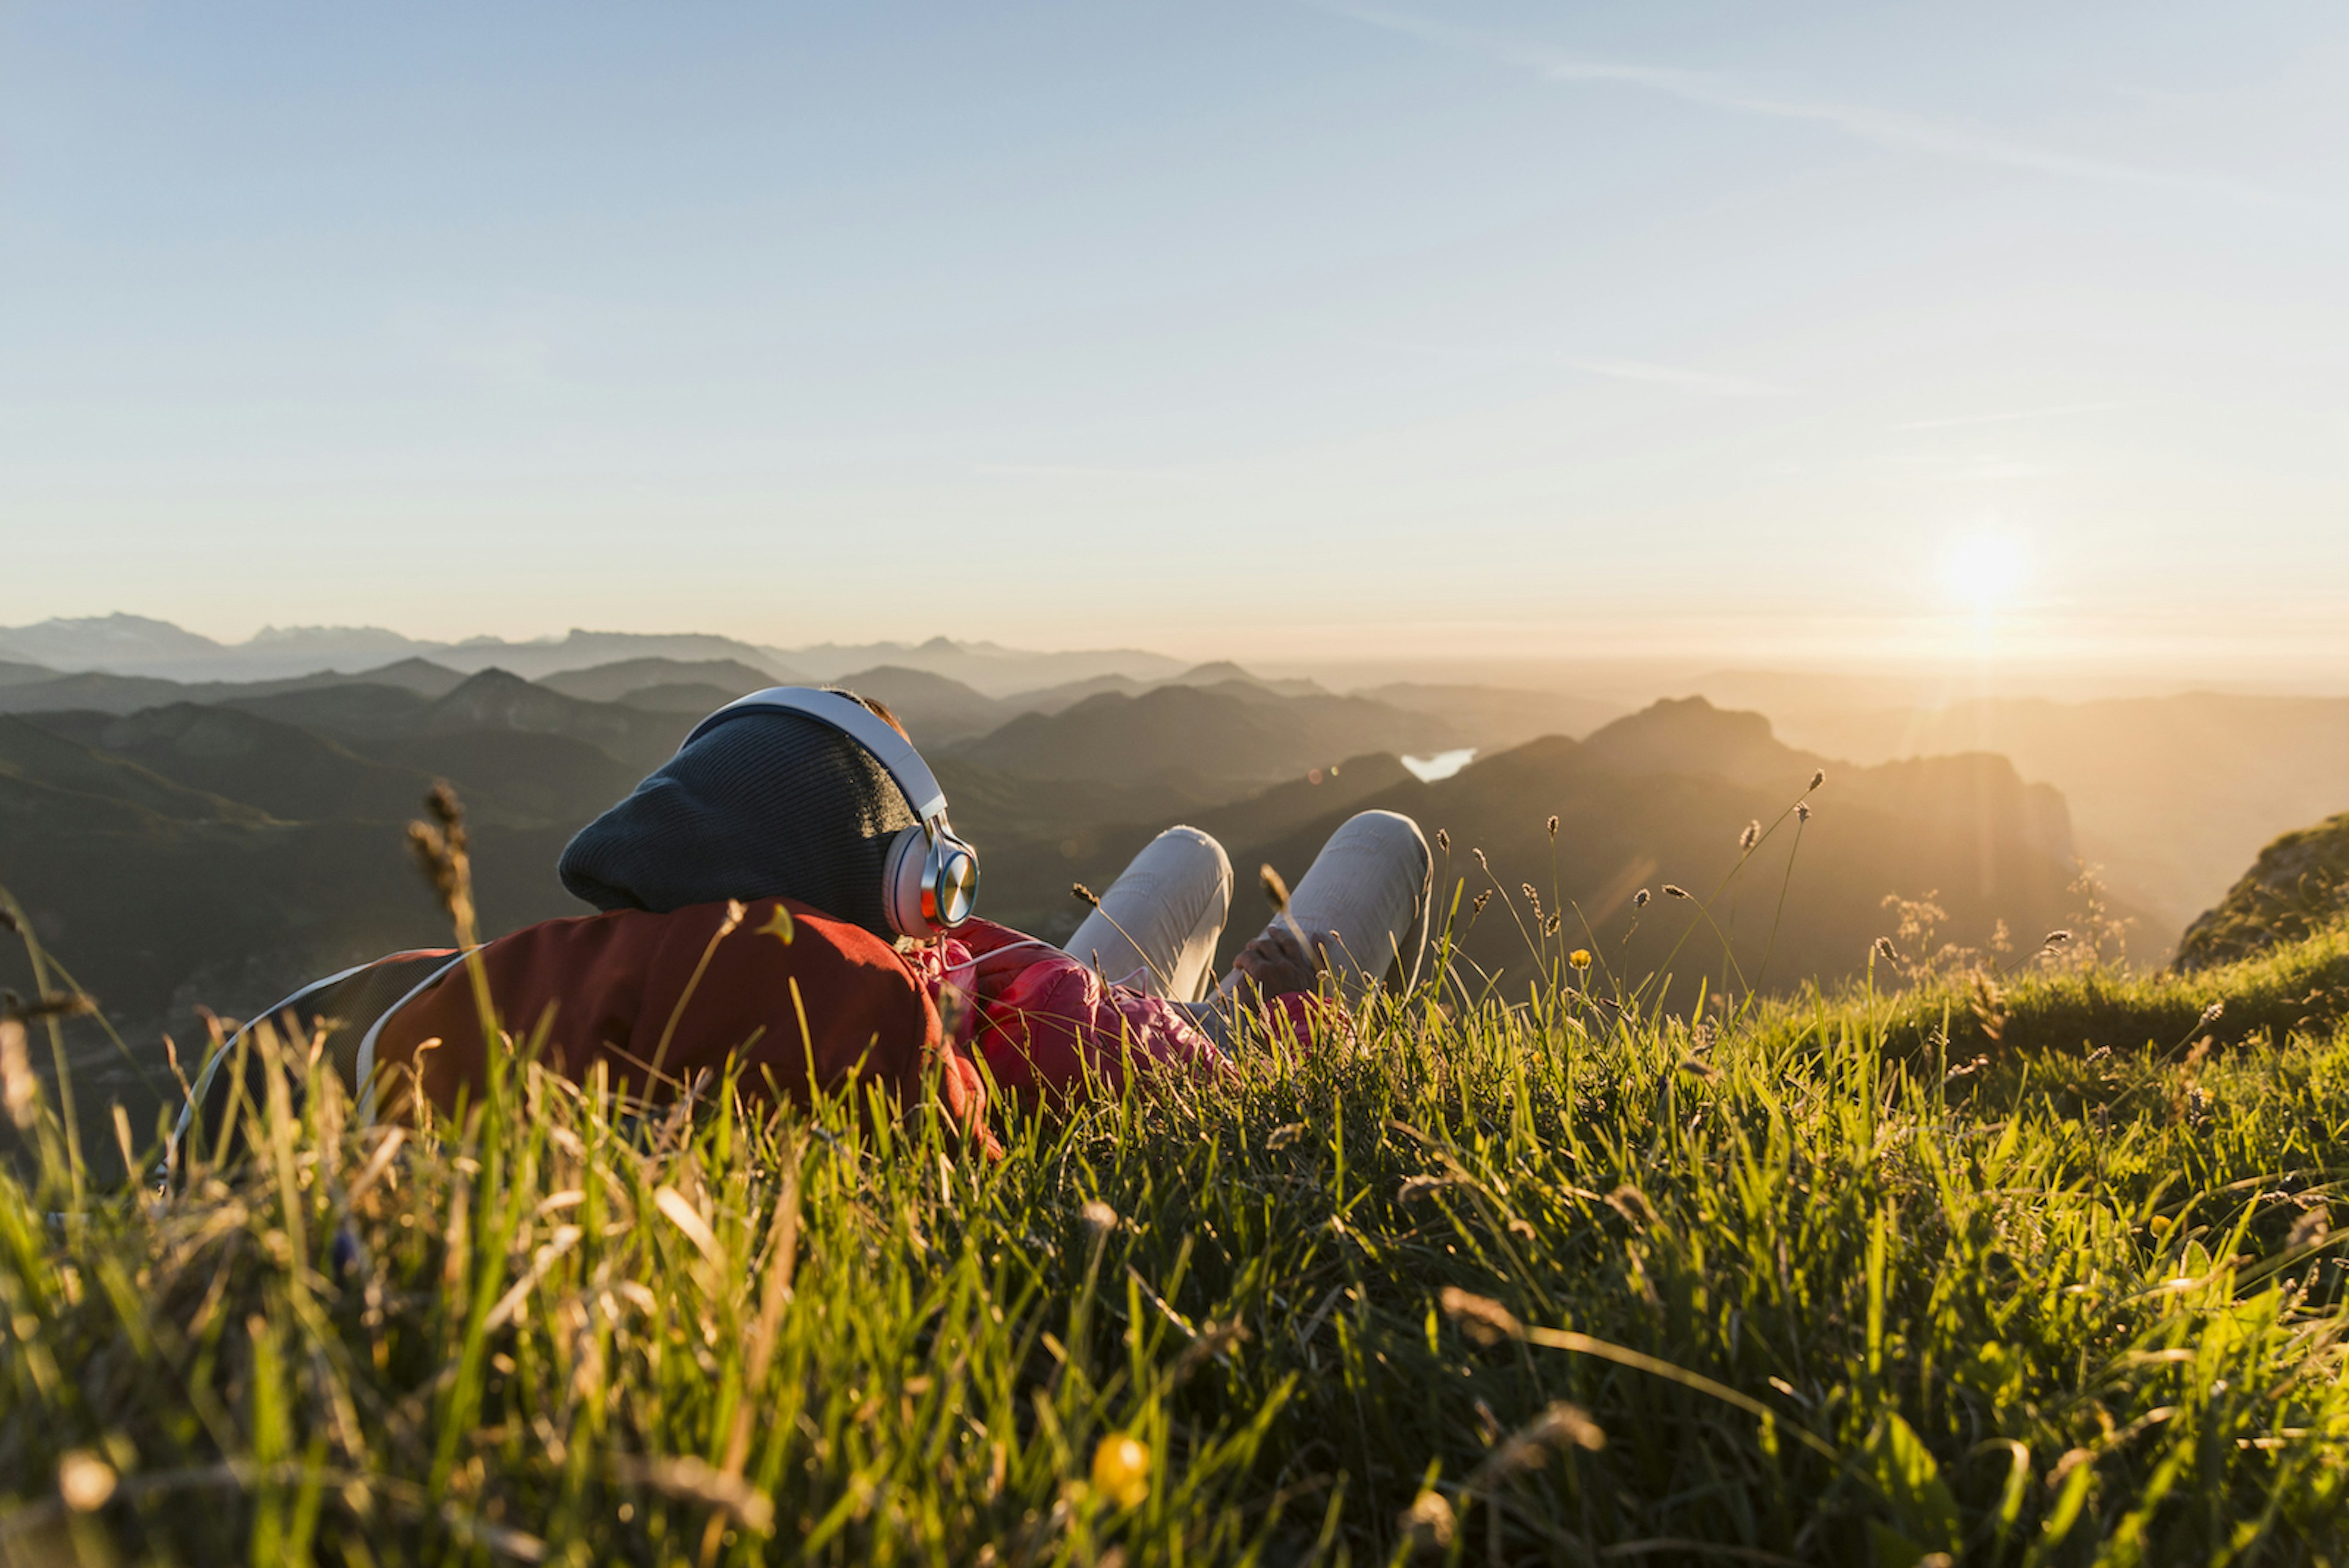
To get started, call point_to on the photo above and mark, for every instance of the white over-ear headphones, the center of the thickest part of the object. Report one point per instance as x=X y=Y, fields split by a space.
x=929 y=883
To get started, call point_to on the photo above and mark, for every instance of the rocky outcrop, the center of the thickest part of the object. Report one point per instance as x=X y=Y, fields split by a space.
x=2299 y=885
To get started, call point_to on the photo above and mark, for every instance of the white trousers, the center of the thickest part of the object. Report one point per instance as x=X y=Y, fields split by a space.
x=1157 y=925
x=1362 y=905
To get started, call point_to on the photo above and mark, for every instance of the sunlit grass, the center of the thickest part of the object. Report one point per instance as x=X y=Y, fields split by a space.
x=1549 y=1281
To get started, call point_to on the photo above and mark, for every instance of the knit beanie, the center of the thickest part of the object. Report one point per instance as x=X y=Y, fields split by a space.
x=764 y=806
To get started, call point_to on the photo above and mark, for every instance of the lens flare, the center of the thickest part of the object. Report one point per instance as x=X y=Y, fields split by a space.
x=1984 y=572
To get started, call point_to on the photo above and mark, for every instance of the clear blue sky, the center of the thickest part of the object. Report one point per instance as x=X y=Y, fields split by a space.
x=1255 y=329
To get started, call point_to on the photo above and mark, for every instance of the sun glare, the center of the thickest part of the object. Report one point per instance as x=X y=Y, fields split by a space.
x=1984 y=572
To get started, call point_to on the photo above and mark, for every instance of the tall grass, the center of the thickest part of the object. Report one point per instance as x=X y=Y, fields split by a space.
x=1539 y=1279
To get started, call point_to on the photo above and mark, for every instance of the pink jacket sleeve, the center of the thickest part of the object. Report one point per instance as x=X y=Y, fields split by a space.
x=1048 y=1025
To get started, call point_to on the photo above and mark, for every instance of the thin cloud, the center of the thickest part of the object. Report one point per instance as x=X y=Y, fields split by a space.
x=1880 y=126
x=1063 y=471
x=2014 y=417
x=1686 y=381
x=1706 y=381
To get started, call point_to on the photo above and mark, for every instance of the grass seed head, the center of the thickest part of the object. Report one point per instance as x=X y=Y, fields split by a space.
x=1885 y=950
x=1989 y=1006
x=433 y=858
x=2212 y=1013
x=1565 y=1424
x=2310 y=1228
x=1275 y=889
x=2056 y=939
x=1084 y=895
x=1481 y=1318
x=1802 y=811
x=1553 y=827
x=692 y=1478
x=1674 y=890
x=49 y=1004
x=1752 y=835
x=1482 y=862
x=1561 y=1427
x=1428 y=1524
x=1639 y=899
x=18 y=1086
x=442 y=849
x=1819 y=777
x=446 y=808
x=1444 y=840
x=1099 y=1218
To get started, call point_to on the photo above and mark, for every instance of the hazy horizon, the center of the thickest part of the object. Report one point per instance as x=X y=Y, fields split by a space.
x=1624 y=674
x=1958 y=650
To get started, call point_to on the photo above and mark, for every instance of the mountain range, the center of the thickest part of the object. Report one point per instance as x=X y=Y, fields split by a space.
x=138 y=645
x=2171 y=794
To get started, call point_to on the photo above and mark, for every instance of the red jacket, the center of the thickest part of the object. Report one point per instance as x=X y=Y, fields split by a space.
x=794 y=997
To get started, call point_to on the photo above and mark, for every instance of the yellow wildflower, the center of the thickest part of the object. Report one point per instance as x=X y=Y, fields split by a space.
x=1121 y=1471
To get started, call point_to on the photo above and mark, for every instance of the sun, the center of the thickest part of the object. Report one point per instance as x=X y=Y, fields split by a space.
x=1984 y=573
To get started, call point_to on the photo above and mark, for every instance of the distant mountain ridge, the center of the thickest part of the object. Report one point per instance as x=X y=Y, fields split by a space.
x=1235 y=729
x=141 y=646
x=987 y=666
x=2173 y=795
x=138 y=646
x=16 y=674
x=102 y=692
x=292 y=773
x=613 y=682
x=939 y=709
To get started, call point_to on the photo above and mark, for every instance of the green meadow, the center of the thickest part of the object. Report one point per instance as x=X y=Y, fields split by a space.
x=2029 y=1271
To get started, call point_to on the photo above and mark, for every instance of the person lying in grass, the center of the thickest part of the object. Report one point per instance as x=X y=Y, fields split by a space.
x=743 y=926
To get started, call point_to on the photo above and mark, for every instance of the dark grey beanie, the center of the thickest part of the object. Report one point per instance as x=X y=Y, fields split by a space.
x=765 y=805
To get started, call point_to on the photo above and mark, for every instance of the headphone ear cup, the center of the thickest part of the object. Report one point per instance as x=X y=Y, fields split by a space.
x=950 y=882
x=901 y=883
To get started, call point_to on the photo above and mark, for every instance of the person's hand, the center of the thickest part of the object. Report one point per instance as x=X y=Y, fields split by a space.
x=1277 y=962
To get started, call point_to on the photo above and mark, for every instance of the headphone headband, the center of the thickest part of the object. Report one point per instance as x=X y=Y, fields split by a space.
x=859 y=724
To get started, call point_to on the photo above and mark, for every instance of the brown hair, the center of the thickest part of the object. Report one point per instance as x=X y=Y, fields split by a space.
x=877 y=708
